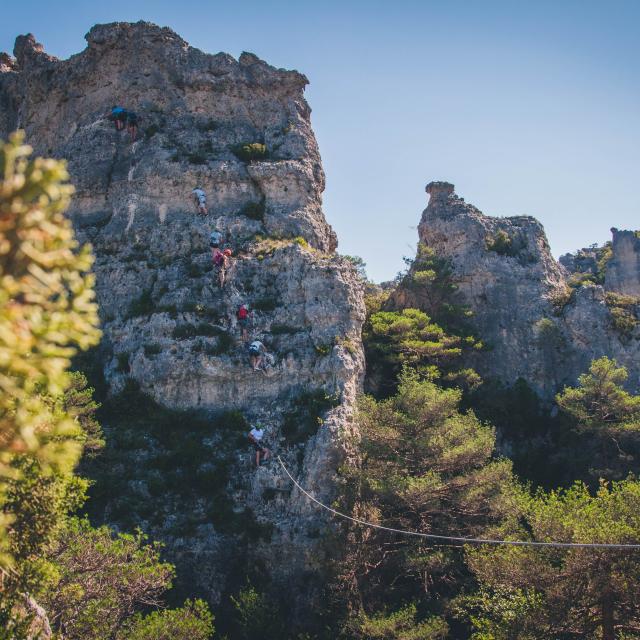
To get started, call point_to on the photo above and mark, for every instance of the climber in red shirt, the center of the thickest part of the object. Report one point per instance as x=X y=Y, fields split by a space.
x=243 y=320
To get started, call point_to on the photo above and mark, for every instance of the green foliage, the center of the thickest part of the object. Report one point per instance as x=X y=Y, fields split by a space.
x=280 y=329
x=502 y=244
x=400 y=625
x=623 y=321
x=426 y=466
x=152 y=349
x=541 y=444
x=102 y=579
x=255 y=616
x=605 y=254
x=193 y=621
x=46 y=313
x=207 y=125
x=607 y=419
x=78 y=403
x=87 y=581
x=432 y=335
x=142 y=306
x=550 y=339
x=600 y=402
x=151 y=131
x=502 y=613
x=123 y=362
x=224 y=344
x=430 y=281
x=184 y=458
x=323 y=349
x=234 y=421
x=624 y=313
x=250 y=151
x=535 y=592
x=254 y=210
x=306 y=415
x=561 y=297
x=510 y=246
x=194 y=270
x=197 y=157
x=409 y=338
x=359 y=265
x=347 y=344
x=582 y=279
x=187 y=330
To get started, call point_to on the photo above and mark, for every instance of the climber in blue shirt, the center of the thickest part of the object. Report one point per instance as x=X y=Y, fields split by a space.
x=119 y=117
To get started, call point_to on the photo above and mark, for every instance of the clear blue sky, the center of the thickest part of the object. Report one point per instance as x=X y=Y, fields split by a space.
x=529 y=107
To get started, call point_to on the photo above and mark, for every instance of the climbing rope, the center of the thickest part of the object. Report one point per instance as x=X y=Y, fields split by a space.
x=445 y=539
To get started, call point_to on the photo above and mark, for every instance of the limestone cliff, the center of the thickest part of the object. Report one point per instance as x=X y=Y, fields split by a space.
x=167 y=324
x=535 y=325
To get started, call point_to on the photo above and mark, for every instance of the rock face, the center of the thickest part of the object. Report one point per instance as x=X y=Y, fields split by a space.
x=167 y=324
x=622 y=273
x=535 y=326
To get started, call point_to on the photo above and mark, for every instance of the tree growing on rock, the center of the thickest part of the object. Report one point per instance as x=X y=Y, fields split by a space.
x=408 y=338
x=425 y=329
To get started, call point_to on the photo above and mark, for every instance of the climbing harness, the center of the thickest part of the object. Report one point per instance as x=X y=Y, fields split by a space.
x=445 y=539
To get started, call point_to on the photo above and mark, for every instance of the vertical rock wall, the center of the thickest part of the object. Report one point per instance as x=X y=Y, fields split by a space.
x=167 y=325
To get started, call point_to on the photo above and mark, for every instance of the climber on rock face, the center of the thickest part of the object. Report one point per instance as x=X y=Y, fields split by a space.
x=215 y=239
x=132 y=125
x=200 y=198
x=221 y=262
x=242 y=316
x=256 y=354
x=119 y=117
x=255 y=437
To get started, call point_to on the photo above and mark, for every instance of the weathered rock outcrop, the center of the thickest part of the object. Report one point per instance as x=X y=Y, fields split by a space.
x=622 y=273
x=167 y=325
x=534 y=325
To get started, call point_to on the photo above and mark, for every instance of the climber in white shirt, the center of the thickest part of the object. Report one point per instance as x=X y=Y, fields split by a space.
x=255 y=438
x=201 y=200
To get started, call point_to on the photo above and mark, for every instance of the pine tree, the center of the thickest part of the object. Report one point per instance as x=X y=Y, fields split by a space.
x=607 y=418
x=426 y=467
x=562 y=592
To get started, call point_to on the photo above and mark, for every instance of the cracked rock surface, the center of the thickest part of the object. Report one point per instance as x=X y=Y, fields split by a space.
x=167 y=324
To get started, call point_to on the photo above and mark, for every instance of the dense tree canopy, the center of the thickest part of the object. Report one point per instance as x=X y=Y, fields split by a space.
x=563 y=592
x=426 y=466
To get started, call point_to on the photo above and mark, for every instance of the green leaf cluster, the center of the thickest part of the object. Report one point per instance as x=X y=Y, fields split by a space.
x=47 y=312
x=409 y=338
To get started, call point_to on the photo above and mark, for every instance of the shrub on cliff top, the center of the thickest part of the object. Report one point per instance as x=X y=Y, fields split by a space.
x=502 y=244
